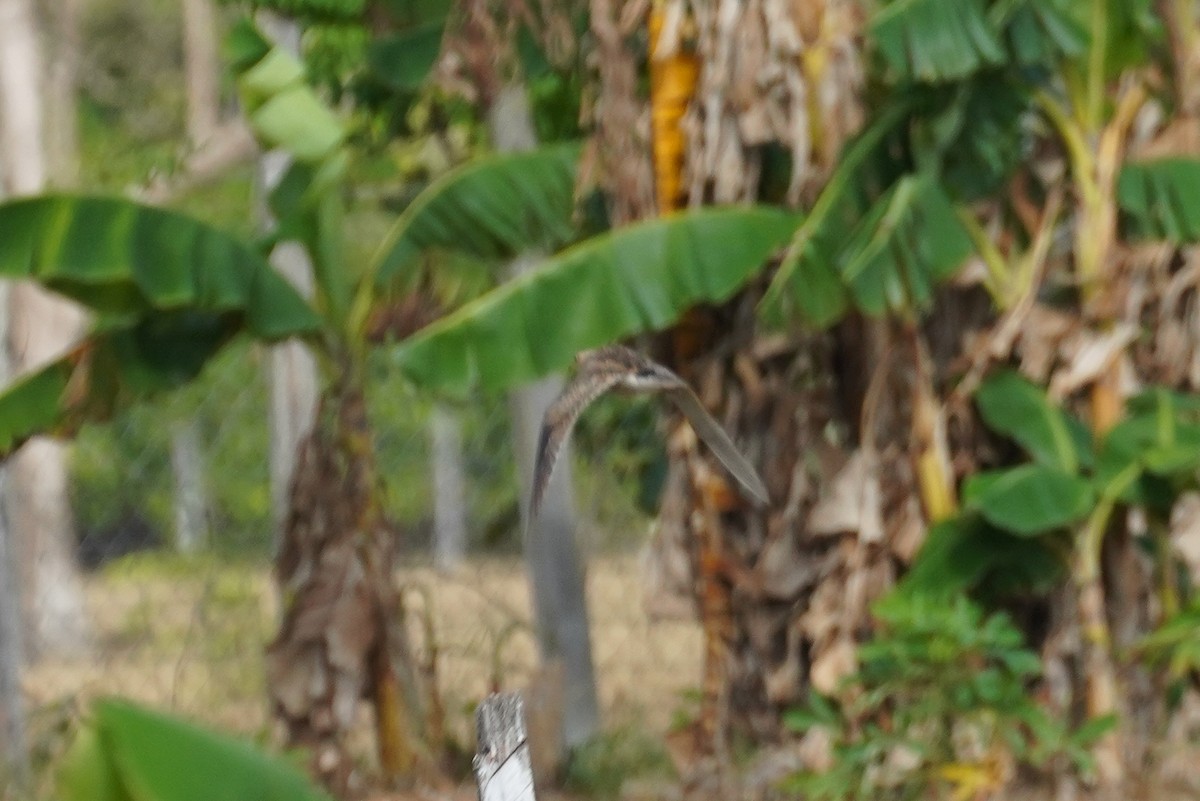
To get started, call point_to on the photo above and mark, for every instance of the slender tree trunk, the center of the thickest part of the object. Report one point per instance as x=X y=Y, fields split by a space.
x=41 y=326
x=555 y=568
x=202 y=75
x=202 y=70
x=191 y=495
x=62 y=82
x=449 y=502
x=14 y=756
x=292 y=370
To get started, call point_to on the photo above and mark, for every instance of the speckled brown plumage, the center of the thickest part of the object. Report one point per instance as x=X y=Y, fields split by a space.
x=616 y=366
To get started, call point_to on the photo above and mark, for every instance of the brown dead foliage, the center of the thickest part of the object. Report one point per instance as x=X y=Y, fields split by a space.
x=775 y=72
x=341 y=636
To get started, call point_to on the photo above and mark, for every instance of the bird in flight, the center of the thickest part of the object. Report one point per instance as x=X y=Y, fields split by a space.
x=615 y=367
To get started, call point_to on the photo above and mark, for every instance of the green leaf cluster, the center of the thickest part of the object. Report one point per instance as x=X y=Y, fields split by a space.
x=940 y=693
x=639 y=278
x=1175 y=645
x=957 y=88
x=169 y=292
x=1018 y=522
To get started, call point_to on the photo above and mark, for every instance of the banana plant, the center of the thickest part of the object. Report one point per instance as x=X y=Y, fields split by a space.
x=1025 y=528
x=169 y=291
x=973 y=88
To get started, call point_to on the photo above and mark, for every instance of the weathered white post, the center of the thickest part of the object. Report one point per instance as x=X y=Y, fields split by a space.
x=503 y=769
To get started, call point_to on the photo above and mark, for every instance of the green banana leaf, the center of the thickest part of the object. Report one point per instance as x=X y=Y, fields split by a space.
x=127 y=753
x=124 y=260
x=935 y=40
x=493 y=207
x=1158 y=199
x=108 y=370
x=1017 y=408
x=911 y=240
x=887 y=260
x=638 y=278
x=807 y=284
x=1039 y=32
x=404 y=60
x=168 y=292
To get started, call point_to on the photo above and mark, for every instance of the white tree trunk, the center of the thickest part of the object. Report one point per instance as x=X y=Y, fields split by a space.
x=191 y=492
x=62 y=96
x=449 y=498
x=202 y=70
x=14 y=756
x=555 y=569
x=41 y=327
x=292 y=369
x=202 y=77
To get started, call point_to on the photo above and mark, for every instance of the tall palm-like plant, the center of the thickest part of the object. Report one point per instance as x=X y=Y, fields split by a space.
x=169 y=291
x=1025 y=139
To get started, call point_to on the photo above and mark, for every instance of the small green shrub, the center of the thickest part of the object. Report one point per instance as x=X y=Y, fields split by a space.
x=938 y=709
x=598 y=768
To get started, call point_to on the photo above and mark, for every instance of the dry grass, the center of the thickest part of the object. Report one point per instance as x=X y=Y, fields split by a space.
x=189 y=637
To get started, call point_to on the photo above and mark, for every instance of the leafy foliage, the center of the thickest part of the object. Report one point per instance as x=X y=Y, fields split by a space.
x=1029 y=499
x=308 y=9
x=1176 y=645
x=1015 y=407
x=1038 y=32
x=966 y=553
x=170 y=291
x=638 y=278
x=909 y=241
x=931 y=40
x=1159 y=199
x=123 y=259
x=128 y=753
x=1014 y=519
x=938 y=703
x=402 y=60
x=488 y=208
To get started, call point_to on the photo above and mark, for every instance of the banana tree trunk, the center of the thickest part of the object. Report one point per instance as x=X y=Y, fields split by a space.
x=783 y=593
x=551 y=554
x=342 y=636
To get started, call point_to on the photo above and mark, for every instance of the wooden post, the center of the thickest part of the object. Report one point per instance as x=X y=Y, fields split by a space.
x=502 y=767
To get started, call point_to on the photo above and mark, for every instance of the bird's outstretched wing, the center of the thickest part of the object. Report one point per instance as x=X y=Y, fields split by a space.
x=603 y=369
x=713 y=435
x=560 y=418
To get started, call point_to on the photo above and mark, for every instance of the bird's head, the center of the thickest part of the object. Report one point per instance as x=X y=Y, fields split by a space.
x=636 y=372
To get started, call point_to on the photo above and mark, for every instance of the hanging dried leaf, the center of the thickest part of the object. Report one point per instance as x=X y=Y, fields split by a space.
x=1185 y=532
x=833 y=664
x=620 y=117
x=1088 y=355
x=774 y=71
x=853 y=504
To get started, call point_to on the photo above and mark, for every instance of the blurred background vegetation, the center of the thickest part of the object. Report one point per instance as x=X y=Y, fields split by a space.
x=132 y=129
